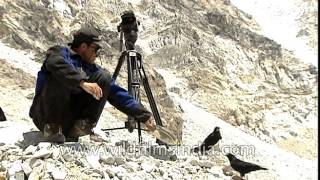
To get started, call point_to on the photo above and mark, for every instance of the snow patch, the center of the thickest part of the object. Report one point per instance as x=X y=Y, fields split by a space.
x=11 y=132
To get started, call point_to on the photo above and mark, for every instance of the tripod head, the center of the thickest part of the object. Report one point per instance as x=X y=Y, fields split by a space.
x=129 y=28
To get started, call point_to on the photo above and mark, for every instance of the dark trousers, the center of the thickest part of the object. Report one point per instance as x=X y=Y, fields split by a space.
x=56 y=103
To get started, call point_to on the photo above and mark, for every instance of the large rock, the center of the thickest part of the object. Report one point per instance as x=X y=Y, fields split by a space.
x=32 y=138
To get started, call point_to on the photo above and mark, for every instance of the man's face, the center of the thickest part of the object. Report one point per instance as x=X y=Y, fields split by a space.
x=89 y=52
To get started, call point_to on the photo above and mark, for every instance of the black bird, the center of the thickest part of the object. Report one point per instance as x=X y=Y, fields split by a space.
x=243 y=167
x=210 y=140
x=2 y=116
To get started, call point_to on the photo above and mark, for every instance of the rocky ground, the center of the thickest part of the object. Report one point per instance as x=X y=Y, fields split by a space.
x=93 y=161
x=210 y=63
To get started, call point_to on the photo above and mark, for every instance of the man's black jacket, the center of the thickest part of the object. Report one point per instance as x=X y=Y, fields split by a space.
x=68 y=68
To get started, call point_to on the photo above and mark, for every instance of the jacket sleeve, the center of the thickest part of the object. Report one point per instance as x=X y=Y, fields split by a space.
x=62 y=69
x=121 y=99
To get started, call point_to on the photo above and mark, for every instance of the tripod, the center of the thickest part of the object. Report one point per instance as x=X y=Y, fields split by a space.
x=136 y=75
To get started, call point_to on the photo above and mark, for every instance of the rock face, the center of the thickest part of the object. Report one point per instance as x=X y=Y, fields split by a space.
x=209 y=53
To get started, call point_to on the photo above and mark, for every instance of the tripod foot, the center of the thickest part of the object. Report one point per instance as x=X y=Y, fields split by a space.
x=130 y=125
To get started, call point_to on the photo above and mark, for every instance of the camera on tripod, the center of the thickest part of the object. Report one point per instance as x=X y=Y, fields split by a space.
x=136 y=73
x=129 y=27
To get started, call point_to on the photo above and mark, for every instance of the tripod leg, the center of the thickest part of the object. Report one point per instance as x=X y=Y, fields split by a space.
x=150 y=96
x=139 y=132
x=120 y=62
x=121 y=41
x=135 y=85
x=131 y=123
x=151 y=101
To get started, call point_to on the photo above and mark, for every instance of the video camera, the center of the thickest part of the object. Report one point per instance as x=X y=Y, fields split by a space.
x=129 y=27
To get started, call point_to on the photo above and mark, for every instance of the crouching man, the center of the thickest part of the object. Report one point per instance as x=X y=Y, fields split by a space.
x=71 y=91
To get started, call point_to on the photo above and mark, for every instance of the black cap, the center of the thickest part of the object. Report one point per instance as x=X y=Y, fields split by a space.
x=87 y=34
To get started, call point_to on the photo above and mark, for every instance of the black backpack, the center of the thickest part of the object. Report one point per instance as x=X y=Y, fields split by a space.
x=2 y=116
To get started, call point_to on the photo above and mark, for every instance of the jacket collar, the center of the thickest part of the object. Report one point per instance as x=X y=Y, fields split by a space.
x=72 y=53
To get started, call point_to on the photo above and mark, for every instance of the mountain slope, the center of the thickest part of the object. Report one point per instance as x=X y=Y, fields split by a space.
x=216 y=55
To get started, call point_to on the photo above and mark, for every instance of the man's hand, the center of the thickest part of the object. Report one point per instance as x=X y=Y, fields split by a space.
x=92 y=88
x=150 y=124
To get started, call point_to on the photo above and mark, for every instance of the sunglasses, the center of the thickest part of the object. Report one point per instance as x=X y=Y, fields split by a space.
x=96 y=49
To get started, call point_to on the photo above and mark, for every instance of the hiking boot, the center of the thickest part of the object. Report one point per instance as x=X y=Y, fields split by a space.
x=81 y=128
x=52 y=132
